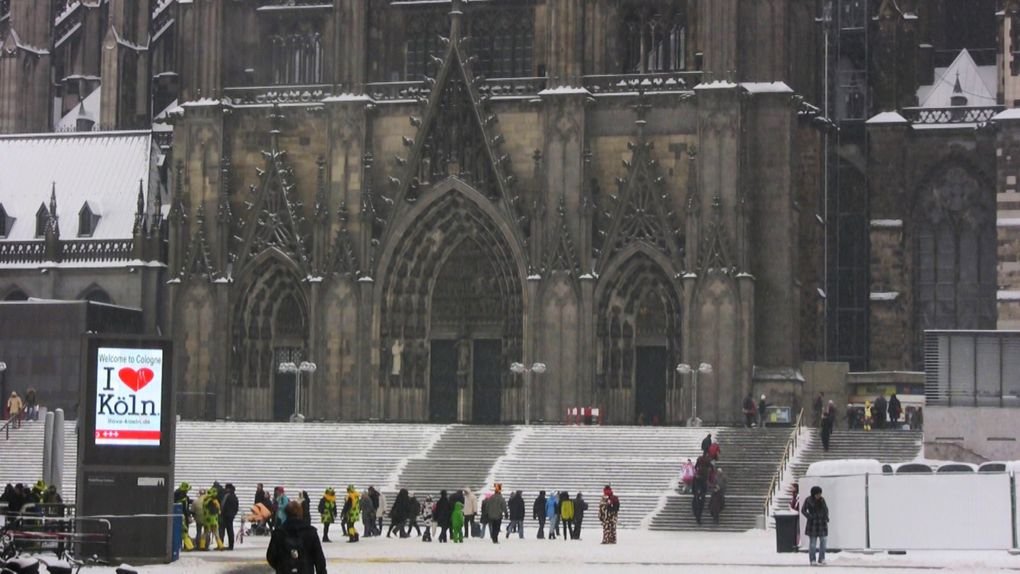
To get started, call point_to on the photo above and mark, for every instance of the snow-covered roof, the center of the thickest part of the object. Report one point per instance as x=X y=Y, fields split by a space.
x=962 y=78
x=844 y=467
x=102 y=168
x=887 y=118
x=767 y=87
x=1010 y=114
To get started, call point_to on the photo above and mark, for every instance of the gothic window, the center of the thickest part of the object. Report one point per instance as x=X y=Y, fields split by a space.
x=97 y=295
x=424 y=28
x=853 y=14
x=5 y=222
x=1014 y=43
x=41 y=218
x=87 y=221
x=296 y=54
x=957 y=254
x=654 y=37
x=503 y=39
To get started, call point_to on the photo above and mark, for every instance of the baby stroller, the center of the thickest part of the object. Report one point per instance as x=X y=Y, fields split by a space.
x=258 y=520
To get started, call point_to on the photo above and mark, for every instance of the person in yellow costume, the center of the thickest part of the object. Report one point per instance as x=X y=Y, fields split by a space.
x=351 y=513
x=211 y=520
x=867 y=415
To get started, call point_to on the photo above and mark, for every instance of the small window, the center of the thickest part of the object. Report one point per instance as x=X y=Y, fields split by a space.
x=5 y=222
x=87 y=221
x=42 y=217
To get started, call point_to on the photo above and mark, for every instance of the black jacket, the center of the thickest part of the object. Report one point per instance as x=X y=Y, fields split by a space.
x=444 y=512
x=538 y=509
x=229 y=510
x=817 y=514
x=312 y=559
x=516 y=508
x=705 y=443
x=580 y=505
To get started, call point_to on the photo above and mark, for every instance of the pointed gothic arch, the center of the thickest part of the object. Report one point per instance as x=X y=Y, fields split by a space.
x=96 y=294
x=638 y=330
x=452 y=290
x=270 y=325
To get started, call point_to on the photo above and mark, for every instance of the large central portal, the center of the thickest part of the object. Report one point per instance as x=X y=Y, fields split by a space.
x=453 y=315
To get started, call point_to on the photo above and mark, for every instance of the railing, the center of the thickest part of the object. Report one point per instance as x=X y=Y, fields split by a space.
x=97 y=250
x=7 y=427
x=22 y=251
x=295 y=4
x=656 y=82
x=780 y=474
x=296 y=94
x=512 y=87
x=951 y=115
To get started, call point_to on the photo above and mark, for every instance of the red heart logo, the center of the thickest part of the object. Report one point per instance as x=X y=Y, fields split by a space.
x=135 y=380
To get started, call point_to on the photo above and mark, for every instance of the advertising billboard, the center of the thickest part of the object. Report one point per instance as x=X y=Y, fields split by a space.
x=129 y=396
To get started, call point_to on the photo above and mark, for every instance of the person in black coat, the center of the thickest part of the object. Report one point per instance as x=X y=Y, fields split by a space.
x=295 y=546
x=414 y=512
x=262 y=498
x=538 y=513
x=580 y=505
x=817 y=525
x=306 y=507
x=879 y=412
x=399 y=512
x=895 y=409
x=227 y=514
x=443 y=515
x=516 y=508
x=705 y=443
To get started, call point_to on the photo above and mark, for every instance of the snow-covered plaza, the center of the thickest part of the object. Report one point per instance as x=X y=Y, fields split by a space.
x=637 y=550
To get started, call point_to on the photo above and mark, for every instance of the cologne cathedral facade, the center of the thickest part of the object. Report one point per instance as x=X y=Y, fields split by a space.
x=413 y=195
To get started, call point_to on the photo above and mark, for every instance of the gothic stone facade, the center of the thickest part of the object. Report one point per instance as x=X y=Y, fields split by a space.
x=415 y=238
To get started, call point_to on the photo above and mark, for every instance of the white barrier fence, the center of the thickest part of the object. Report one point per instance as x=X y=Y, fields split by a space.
x=869 y=509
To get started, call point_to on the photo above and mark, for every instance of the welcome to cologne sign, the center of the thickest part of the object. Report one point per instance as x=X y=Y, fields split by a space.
x=129 y=394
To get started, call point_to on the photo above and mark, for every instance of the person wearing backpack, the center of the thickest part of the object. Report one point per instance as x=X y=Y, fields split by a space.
x=566 y=514
x=294 y=547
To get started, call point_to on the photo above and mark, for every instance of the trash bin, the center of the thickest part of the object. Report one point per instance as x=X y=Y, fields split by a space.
x=787 y=525
x=178 y=533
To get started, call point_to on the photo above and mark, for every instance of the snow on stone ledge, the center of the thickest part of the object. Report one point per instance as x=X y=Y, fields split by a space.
x=1005 y=115
x=717 y=85
x=844 y=467
x=564 y=90
x=1008 y=296
x=887 y=118
x=767 y=87
x=886 y=223
x=884 y=295
x=1008 y=222
x=347 y=97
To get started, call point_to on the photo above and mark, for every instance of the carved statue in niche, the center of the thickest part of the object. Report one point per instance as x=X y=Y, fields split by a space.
x=463 y=361
x=396 y=352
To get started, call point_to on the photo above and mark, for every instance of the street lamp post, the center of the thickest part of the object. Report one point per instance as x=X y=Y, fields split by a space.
x=685 y=369
x=3 y=386
x=520 y=369
x=296 y=370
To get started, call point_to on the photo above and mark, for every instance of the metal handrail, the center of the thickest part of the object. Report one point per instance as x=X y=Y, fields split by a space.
x=7 y=427
x=777 y=478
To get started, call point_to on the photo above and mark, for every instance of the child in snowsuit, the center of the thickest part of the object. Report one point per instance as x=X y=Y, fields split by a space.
x=457 y=522
x=327 y=511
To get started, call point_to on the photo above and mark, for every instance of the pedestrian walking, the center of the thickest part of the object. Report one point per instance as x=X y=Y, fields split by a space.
x=295 y=547
x=718 y=499
x=749 y=410
x=495 y=509
x=817 y=405
x=443 y=515
x=705 y=443
x=379 y=502
x=14 y=407
x=895 y=409
x=609 y=509
x=868 y=415
x=368 y=514
x=762 y=405
x=399 y=513
x=817 y=526
x=580 y=507
x=566 y=515
x=552 y=513
x=227 y=514
x=702 y=472
x=538 y=513
x=457 y=522
x=470 y=510
x=828 y=423
x=516 y=506
x=880 y=411
x=351 y=513
x=415 y=510
x=327 y=512
x=306 y=507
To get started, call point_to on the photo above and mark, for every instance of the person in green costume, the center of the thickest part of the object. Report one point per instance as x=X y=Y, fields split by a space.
x=457 y=522
x=327 y=510
x=351 y=513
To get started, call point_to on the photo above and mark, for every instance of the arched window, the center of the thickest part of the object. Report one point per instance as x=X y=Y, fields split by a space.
x=87 y=221
x=16 y=295
x=957 y=253
x=97 y=295
x=654 y=37
x=42 y=217
x=5 y=222
x=503 y=40
x=424 y=27
x=296 y=53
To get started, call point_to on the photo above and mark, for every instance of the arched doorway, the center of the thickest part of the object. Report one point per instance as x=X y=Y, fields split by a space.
x=639 y=328
x=452 y=316
x=270 y=327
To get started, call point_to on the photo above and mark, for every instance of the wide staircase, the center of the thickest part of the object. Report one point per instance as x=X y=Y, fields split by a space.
x=641 y=463
x=748 y=458
x=460 y=458
x=886 y=446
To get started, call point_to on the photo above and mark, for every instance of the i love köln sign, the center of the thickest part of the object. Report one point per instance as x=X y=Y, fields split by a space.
x=129 y=393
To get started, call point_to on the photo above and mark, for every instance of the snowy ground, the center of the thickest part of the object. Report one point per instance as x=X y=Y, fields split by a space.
x=643 y=551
